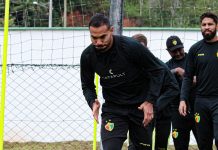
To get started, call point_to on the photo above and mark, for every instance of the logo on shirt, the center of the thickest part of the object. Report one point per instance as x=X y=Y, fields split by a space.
x=109 y=125
x=202 y=54
x=197 y=118
x=112 y=75
x=110 y=71
x=145 y=145
x=216 y=54
x=175 y=133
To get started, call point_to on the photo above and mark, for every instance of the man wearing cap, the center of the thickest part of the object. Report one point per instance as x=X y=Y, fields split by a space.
x=182 y=125
x=168 y=93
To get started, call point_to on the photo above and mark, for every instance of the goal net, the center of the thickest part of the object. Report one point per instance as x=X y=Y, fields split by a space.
x=44 y=100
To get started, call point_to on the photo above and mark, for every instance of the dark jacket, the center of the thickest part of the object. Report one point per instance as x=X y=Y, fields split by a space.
x=121 y=73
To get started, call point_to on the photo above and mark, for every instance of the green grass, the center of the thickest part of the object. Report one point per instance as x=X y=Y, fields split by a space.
x=71 y=145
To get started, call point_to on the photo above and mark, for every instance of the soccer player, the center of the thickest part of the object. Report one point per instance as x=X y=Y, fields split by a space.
x=124 y=67
x=202 y=61
x=169 y=93
x=182 y=125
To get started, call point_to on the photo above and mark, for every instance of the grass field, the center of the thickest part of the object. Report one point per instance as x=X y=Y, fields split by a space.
x=72 y=145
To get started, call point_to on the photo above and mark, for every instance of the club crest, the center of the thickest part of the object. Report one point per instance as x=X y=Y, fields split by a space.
x=197 y=118
x=109 y=126
x=175 y=134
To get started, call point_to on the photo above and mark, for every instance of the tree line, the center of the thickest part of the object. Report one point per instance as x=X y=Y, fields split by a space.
x=137 y=13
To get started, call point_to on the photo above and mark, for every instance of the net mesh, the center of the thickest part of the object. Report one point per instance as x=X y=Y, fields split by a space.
x=44 y=101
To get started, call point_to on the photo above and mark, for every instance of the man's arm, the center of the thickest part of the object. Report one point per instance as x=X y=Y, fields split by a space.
x=147 y=108
x=95 y=109
x=169 y=93
x=87 y=75
x=154 y=68
x=183 y=105
x=178 y=71
x=147 y=61
x=88 y=86
x=188 y=77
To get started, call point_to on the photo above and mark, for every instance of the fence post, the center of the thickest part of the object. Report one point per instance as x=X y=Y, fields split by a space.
x=116 y=16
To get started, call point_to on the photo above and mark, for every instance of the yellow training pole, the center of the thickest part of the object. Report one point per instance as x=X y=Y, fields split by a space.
x=94 y=135
x=4 y=72
x=95 y=122
x=153 y=138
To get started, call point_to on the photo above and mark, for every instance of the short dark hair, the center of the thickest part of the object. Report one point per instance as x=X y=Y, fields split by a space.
x=209 y=15
x=98 y=20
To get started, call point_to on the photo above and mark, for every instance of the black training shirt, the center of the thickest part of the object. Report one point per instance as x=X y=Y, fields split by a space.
x=121 y=71
x=203 y=62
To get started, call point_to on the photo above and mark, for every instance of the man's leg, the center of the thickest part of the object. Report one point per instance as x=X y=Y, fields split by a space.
x=113 y=143
x=204 y=124
x=181 y=131
x=130 y=144
x=193 y=127
x=163 y=127
x=140 y=136
x=114 y=129
x=214 y=108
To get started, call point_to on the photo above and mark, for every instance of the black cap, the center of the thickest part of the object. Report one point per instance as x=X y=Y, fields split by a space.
x=173 y=43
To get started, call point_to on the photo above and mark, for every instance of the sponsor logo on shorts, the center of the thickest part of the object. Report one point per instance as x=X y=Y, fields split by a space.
x=202 y=54
x=197 y=118
x=109 y=125
x=146 y=145
x=175 y=134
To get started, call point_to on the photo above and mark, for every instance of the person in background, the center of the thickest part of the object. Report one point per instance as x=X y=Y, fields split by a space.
x=202 y=61
x=182 y=125
x=141 y=39
x=124 y=67
x=169 y=93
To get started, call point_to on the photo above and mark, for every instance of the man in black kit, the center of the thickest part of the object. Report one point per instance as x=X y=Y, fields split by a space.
x=181 y=125
x=129 y=97
x=169 y=93
x=202 y=61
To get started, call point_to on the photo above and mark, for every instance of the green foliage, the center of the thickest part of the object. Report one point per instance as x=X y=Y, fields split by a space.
x=132 y=8
x=148 y=13
x=26 y=13
x=169 y=13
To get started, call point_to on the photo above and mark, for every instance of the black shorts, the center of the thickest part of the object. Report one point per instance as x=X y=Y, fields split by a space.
x=182 y=126
x=118 y=120
x=206 y=120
